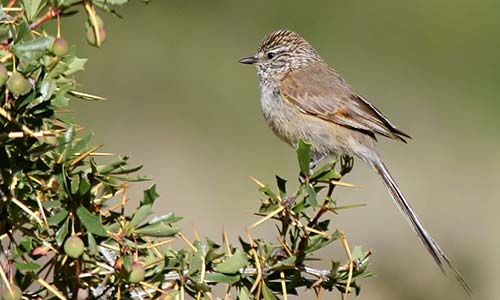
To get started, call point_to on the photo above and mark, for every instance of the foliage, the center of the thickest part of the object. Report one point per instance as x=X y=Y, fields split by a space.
x=58 y=193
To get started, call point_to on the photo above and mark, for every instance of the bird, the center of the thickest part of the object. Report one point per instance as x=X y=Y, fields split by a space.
x=302 y=97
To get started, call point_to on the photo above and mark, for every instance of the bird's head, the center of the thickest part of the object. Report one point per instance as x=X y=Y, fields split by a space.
x=280 y=52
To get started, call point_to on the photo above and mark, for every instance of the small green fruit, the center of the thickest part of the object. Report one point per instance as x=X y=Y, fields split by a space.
x=18 y=85
x=73 y=246
x=60 y=47
x=3 y=75
x=91 y=36
x=137 y=273
x=15 y=295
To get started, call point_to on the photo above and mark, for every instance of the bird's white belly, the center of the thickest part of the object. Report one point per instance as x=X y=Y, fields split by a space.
x=291 y=124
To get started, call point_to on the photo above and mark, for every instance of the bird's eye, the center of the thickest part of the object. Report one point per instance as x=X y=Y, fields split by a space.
x=270 y=55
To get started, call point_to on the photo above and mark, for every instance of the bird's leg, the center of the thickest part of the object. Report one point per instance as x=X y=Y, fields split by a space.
x=315 y=159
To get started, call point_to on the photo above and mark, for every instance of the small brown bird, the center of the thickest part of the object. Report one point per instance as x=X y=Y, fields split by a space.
x=303 y=97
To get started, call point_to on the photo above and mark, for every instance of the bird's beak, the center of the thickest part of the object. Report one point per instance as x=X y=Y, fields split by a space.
x=248 y=60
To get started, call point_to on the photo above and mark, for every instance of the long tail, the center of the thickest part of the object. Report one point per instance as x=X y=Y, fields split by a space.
x=432 y=247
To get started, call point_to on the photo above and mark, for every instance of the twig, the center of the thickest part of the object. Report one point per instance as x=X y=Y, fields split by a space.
x=51 y=13
x=283 y=285
x=345 y=184
x=168 y=241
x=12 y=9
x=226 y=242
x=152 y=287
x=196 y=233
x=269 y=216
x=52 y=289
x=183 y=237
x=257 y=182
x=5 y=279
x=84 y=155
x=37 y=134
x=6 y=58
x=27 y=210
x=85 y=95
x=351 y=262
x=9 y=118
x=257 y=263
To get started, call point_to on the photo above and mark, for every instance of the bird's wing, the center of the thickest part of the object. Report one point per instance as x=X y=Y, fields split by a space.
x=320 y=91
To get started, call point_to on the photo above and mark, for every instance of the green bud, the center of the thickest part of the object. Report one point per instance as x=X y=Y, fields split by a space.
x=60 y=47
x=15 y=295
x=91 y=36
x=18 y=85
x=137 y=273
x=73 y=246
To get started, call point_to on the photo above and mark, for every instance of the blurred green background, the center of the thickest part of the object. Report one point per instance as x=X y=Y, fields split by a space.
x=180 y=104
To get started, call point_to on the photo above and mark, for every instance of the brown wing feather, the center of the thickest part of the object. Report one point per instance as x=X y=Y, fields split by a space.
x=325 y=94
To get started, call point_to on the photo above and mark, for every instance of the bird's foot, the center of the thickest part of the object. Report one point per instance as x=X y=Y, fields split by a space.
x=316 y=158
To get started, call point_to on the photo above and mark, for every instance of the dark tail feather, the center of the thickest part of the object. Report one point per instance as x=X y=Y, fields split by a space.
x=432 y=247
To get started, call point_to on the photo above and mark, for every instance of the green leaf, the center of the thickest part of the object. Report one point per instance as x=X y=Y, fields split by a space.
x=67 y=2
x=27 y=266
x=27 y=243
x=284 y=264
x=47 y=90
x=51 y=204
x=317 y=242
x=75 y=64
x=112 y=166
x=75 y=183
x=281 y=186
x=267 y=293
x=243 y=293
x=84 y=186
x=304 y=156
x=57 y=70
x=127 y=262
x=125 y=170
x=233 y=263
x=60 y=99
x=58 y=217
x=5 y=30
x=222 y=278
x=150 y=195
x=357 y=253
x=268 y=192
x=327 y=171
x=92 y=244
x=68 y=136
x=32 y=50
x=90 y=221
x=142 y=213
x=158 y=229
x=113 y=227
x=195 y=263
x=168 y=218
x=110 y=2
x=22 y=30
x=82 y=144
x=313 y=197
x=31 y=8
x=62 y=232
